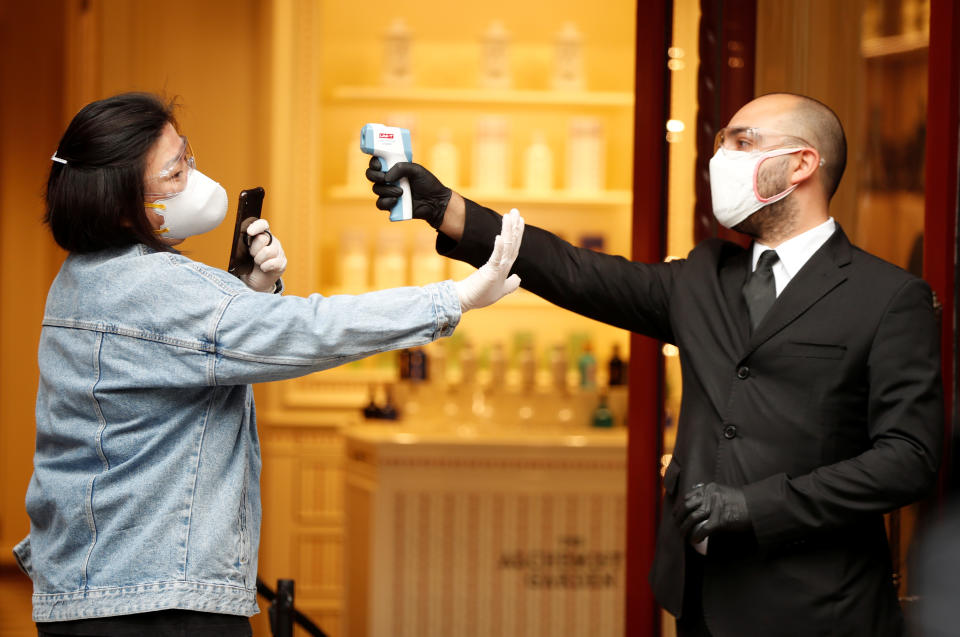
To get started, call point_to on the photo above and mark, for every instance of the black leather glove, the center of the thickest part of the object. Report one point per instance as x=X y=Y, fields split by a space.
x=430 y=197
x=706 y=509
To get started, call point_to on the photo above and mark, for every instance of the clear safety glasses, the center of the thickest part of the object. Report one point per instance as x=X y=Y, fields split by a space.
x=171 y=180
x=754 y=139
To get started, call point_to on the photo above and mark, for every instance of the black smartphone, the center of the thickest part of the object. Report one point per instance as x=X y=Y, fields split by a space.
x=249 y=206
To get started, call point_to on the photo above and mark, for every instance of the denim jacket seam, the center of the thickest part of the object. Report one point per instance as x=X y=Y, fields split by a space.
x=226 y=352
x=88 y=500
x=196 y=474
x=445 y=322
x=99 y=326
x=212 y=338
x=202 y=270
x=169 y=582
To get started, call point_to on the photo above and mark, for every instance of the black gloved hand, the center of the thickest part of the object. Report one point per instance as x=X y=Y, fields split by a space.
x=706 y=509
x=430 y=197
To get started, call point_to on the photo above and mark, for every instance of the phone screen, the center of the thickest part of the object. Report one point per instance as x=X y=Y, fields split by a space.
x=248 y=210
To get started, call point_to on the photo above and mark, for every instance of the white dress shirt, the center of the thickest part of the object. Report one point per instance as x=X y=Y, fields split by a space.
x=794 y=252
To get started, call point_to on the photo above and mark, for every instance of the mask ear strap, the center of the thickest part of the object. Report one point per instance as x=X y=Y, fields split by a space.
x=157 y=206
x=756 y=174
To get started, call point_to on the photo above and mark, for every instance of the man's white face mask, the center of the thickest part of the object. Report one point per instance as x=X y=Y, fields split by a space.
x=733 y=183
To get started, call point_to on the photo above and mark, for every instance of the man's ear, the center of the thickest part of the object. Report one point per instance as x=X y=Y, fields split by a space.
x=808 y=161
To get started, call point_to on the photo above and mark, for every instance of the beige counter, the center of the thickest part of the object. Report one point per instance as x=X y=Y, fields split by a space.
x=484 y=531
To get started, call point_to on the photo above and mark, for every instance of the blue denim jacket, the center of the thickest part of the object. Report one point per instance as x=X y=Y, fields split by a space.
x=145 y=493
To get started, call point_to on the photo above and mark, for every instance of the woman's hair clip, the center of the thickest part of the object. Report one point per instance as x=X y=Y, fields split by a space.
x=58 y=159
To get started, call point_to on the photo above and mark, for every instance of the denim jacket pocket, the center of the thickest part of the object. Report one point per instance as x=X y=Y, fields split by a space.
x=21 y=552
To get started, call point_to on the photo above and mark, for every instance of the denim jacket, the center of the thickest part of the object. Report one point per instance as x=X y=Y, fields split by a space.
x=145 y=493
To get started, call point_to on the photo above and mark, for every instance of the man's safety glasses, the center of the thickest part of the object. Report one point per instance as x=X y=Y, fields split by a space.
x=754 y=139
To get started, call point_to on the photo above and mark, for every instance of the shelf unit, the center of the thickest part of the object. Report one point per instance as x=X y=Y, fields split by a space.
x=475 y=96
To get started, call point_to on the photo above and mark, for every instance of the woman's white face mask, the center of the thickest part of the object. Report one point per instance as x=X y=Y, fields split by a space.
x=199 y=208
x=733 y=183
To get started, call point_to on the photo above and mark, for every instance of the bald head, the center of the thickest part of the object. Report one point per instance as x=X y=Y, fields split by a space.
x=808 y=119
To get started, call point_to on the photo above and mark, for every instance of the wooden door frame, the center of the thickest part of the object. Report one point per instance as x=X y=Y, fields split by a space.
x=651 y=111
x=942 y=210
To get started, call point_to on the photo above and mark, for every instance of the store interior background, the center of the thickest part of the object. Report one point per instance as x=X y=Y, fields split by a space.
x=274 y=93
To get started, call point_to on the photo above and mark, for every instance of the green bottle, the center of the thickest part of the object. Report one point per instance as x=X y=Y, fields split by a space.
x=602 y=416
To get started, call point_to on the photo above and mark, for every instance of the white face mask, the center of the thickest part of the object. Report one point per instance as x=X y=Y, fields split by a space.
x=199 y=208
x=733 y=184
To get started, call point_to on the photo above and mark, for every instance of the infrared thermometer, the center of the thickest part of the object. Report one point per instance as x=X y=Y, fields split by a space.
x=390 y=144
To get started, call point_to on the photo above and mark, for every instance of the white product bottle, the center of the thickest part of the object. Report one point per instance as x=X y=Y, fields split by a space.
x=538 y=165
x=445 y=159
x=354 y=265
x=494 y=57
x=397 y=66
x=586 y=156
x=491 y=156
x=568 y=59
x=357 y=163
x=390 y=265
x=426 y=266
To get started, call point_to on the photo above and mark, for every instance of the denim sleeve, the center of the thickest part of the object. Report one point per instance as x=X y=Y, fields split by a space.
x=266 y=337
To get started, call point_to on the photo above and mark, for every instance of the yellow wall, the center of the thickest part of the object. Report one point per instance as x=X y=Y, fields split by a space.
x=55 y=56
x=30 y=100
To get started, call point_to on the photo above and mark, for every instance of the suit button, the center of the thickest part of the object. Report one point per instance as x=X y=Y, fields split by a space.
x=730 y=432
x=743 y=372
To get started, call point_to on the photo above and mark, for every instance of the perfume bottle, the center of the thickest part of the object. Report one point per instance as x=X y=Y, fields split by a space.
x=390 y=266
x=494 y=58
x=586 y=156
x=528 y=368
x=354 y=265
x=372 y=411
x=445 y=159
x=491 y=165
x=602 y=416
x=538 y=165
x=419 y=365
x=568 y=59
x=558 y=368
x=588 y=367
x=498 y=366
x=397 y=68
x=616 y=368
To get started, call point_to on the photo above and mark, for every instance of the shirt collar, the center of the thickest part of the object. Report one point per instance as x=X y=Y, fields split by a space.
x=796 y=251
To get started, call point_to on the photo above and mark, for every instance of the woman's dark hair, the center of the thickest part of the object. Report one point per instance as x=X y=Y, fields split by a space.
x=95 y=200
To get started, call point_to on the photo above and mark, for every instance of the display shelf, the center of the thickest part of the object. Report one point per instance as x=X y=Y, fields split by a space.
x=516 y=196
x=507 y=97
x=890 y=45
x=519 y=299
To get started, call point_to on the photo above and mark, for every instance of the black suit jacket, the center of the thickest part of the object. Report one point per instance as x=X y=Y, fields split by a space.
x=827 y=416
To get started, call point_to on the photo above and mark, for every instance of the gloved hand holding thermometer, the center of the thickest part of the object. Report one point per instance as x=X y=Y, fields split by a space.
x=430 y=202
x=391 y=145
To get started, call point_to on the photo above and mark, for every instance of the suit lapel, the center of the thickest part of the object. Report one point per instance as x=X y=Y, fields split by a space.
x=732 y=276
x=823 y=272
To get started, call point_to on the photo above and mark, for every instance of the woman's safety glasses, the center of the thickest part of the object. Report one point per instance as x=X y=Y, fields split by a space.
x=171 y=180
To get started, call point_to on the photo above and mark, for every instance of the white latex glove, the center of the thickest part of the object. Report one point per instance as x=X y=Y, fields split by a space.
x=268 y=257
x=490 y=283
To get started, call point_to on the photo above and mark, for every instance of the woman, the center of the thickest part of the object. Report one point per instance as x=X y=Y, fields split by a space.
x=145 y=502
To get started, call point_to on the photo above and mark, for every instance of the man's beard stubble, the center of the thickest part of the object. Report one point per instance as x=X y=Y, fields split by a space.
x=777 y=220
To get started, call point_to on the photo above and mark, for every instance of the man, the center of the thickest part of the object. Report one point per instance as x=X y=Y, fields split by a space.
x=811 y=385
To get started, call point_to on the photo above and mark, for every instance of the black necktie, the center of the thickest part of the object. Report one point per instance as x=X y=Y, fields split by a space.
x=760 y=290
